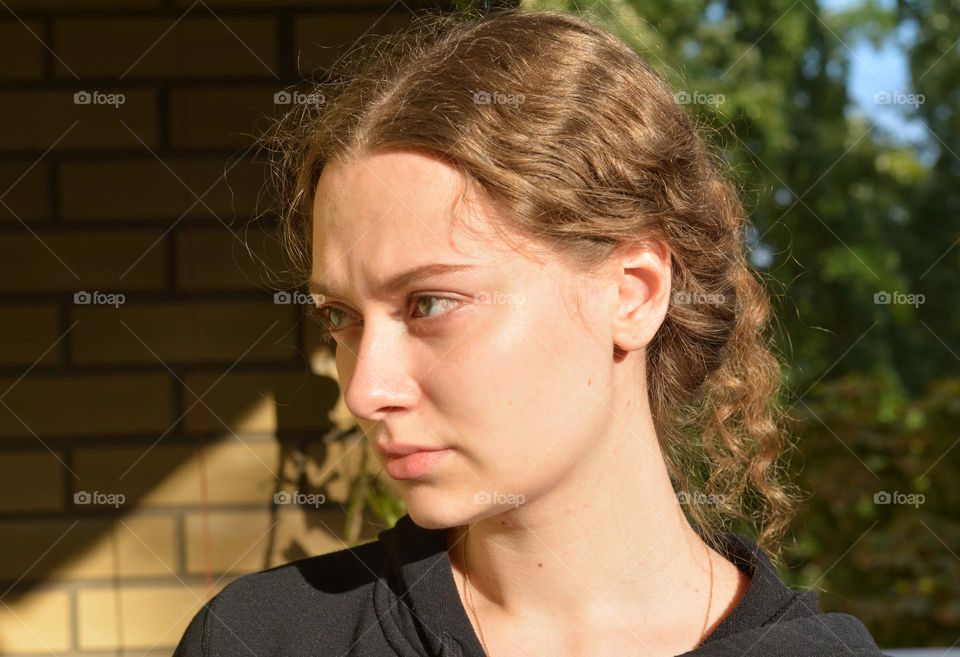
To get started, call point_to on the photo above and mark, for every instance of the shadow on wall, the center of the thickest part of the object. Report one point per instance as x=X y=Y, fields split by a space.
x=111 y=524
x=156 y=396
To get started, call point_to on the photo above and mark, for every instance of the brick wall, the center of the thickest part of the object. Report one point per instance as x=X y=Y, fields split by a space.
x=143 y=436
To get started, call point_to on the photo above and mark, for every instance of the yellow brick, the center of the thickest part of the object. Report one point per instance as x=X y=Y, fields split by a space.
x=93 y=404
x=240 y=541
x=198 y=45
x=215 y=259
x=181 y=332
x=139 y=546
x=21 y=53
x=44 y=549
x=104 y=261
x=33 y=5
x=54 y=550
x=31 y=481
x=220 y=116
x=137 y=617
x=261 y=402
x=89 y=188
x=171 y=475
x=26 y=185
x=28 y=331
x=43 y=117
x=35 y=622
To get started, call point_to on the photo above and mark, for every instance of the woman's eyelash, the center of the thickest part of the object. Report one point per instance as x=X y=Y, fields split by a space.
x=319 y=313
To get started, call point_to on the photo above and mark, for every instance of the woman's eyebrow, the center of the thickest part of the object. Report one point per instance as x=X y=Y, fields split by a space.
x=397 y=281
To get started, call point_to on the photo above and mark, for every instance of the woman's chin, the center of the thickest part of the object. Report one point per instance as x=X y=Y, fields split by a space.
x=439 y=511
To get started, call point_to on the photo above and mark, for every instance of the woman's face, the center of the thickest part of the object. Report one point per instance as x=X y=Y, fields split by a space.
x=492 y=362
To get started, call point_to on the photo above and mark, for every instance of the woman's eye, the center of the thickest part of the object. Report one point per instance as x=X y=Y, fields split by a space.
x=328 y=316
x=333 y=319
x=419 y=302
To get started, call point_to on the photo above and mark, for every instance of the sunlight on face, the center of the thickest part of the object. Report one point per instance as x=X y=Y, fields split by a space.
x=491 y=360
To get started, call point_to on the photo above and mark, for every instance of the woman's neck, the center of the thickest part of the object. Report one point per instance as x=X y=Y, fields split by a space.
x=608 y=546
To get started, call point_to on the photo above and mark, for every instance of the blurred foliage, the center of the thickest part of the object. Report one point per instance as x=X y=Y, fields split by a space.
x=879 y=536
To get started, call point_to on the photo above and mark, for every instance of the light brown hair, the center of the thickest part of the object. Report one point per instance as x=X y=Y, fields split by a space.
x=583 y=147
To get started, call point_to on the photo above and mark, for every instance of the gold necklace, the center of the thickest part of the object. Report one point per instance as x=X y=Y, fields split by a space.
x=703 y=632
x=466 y=576
x=483 y=641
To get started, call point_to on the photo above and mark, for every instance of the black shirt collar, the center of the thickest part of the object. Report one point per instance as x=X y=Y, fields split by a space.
x=423 y=578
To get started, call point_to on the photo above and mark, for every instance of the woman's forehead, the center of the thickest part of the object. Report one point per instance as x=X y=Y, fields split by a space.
x=401 y=193
x=402 y=201
x=388 y=180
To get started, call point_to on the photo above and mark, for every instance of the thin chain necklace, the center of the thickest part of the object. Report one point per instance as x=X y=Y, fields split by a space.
x=483 y=641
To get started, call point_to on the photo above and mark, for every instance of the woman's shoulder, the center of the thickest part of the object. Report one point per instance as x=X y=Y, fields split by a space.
x=326 y=574
x=773 y=618
x=260 y=612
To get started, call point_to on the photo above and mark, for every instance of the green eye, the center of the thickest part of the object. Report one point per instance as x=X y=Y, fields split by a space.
x=328 y=317
x=329 y=314
x=331 y=319
x=419 y=302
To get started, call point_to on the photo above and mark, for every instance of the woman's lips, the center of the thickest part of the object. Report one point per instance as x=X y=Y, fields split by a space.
x=416 y=464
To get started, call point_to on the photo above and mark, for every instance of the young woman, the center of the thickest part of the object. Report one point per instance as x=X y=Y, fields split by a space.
x=533 y=271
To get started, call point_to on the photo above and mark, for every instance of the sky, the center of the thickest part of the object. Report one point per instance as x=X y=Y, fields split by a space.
x=883 y=71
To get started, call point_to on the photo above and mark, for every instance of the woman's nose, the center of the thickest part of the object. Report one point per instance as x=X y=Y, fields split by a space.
x=375 y=375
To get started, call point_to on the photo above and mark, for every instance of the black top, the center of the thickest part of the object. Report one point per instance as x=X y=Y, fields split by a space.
x=396 y=596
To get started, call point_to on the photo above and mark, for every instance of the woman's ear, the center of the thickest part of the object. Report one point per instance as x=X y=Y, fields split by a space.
x=642 y=274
